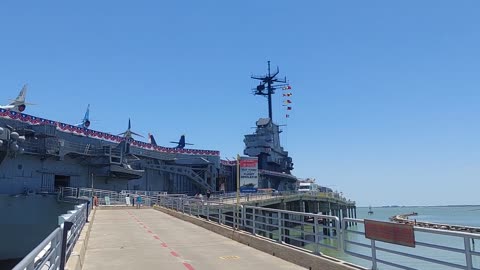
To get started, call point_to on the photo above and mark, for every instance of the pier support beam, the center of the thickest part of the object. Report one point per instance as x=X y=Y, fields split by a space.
x=302 y=206
x=344 y=215
x=351 y=215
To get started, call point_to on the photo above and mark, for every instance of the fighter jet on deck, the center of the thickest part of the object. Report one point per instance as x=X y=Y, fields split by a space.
x=18 y=104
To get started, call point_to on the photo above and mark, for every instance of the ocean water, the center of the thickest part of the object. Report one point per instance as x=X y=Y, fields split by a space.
x=455 y=215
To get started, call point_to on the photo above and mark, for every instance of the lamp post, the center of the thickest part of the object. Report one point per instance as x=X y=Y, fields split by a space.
x=238 y=189
x=93 y=194
x=238 y=179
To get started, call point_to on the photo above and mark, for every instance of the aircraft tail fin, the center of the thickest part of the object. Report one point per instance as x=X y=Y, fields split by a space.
x=87 y=114
x=152 y=139
x=181 y=142
x=21 y=96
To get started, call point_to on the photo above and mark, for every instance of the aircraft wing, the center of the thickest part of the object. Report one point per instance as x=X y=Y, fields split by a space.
x=136 y=134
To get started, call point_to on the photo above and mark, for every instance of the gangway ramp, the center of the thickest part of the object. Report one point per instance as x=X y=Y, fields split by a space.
x=149 y=239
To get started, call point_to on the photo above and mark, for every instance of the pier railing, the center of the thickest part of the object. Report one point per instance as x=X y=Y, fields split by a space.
x=53 y=252
x=302 y=230
x=261 y=195
x=106 y=197
x=433 y=247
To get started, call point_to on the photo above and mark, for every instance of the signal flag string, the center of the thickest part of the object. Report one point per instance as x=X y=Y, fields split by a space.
x=287 y=101
x=287 y=94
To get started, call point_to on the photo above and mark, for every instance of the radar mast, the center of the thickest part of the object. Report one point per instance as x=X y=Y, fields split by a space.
x=268 y=84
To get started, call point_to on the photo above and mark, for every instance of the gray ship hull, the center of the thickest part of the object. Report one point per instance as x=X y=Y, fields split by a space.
x=26 y=221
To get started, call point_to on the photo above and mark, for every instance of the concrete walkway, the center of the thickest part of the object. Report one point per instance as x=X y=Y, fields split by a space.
x=142 y=239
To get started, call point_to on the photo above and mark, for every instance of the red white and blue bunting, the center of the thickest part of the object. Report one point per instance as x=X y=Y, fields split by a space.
x=33 y=120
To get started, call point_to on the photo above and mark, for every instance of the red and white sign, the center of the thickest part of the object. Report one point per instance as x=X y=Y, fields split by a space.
x=249 y=171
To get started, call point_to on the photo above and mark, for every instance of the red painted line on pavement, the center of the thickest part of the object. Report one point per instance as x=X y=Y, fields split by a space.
x=173 y=253
x=188 y=266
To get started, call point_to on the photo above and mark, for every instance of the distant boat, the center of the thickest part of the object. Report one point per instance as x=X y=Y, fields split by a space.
x=370 y=212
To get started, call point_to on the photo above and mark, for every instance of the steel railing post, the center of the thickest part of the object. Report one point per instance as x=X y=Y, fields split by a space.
x=344 y=239
x=242 y=217
x=374 y=255
x=253 y=221
x=280 y=227
x=340 y=234
x=468 y=253
x=316 y=234
x=58 y=245
x=86 y=210
x=208 y=211
x=234 y=217
x=67 y=225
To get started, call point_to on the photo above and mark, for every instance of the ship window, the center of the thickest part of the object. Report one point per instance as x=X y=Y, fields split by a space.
x=20 y=166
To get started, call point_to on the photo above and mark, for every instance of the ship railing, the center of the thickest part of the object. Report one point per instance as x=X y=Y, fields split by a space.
x=45 y=146
x=80 y=148
x=103 y=196
x=306 y=231
x=432 y=248
x=55 y=249
x=144 y=192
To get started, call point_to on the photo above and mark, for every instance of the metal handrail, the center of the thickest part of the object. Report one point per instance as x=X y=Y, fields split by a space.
x=332 y=226
x=114 y=198
x=78 y=219
x=375 y=258
x=286 y=227
x=55 y=249
x=50 y=250
x=270 y=194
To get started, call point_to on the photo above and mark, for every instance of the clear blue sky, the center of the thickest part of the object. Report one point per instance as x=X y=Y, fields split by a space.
x=386 y=93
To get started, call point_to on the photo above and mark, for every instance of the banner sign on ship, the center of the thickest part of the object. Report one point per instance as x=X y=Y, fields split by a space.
x=248 y=174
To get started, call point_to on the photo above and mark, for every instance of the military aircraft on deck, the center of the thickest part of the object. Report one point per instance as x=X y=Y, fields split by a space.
x=128 y=134
x=18 y=104
x=86 y=119
x=151 y=139
x=181 y=143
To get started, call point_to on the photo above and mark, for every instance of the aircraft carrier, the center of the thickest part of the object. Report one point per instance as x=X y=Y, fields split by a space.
x=38 y=156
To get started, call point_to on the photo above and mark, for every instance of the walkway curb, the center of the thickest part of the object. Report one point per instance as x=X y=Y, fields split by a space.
x=296 y=256
x=76 y=259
